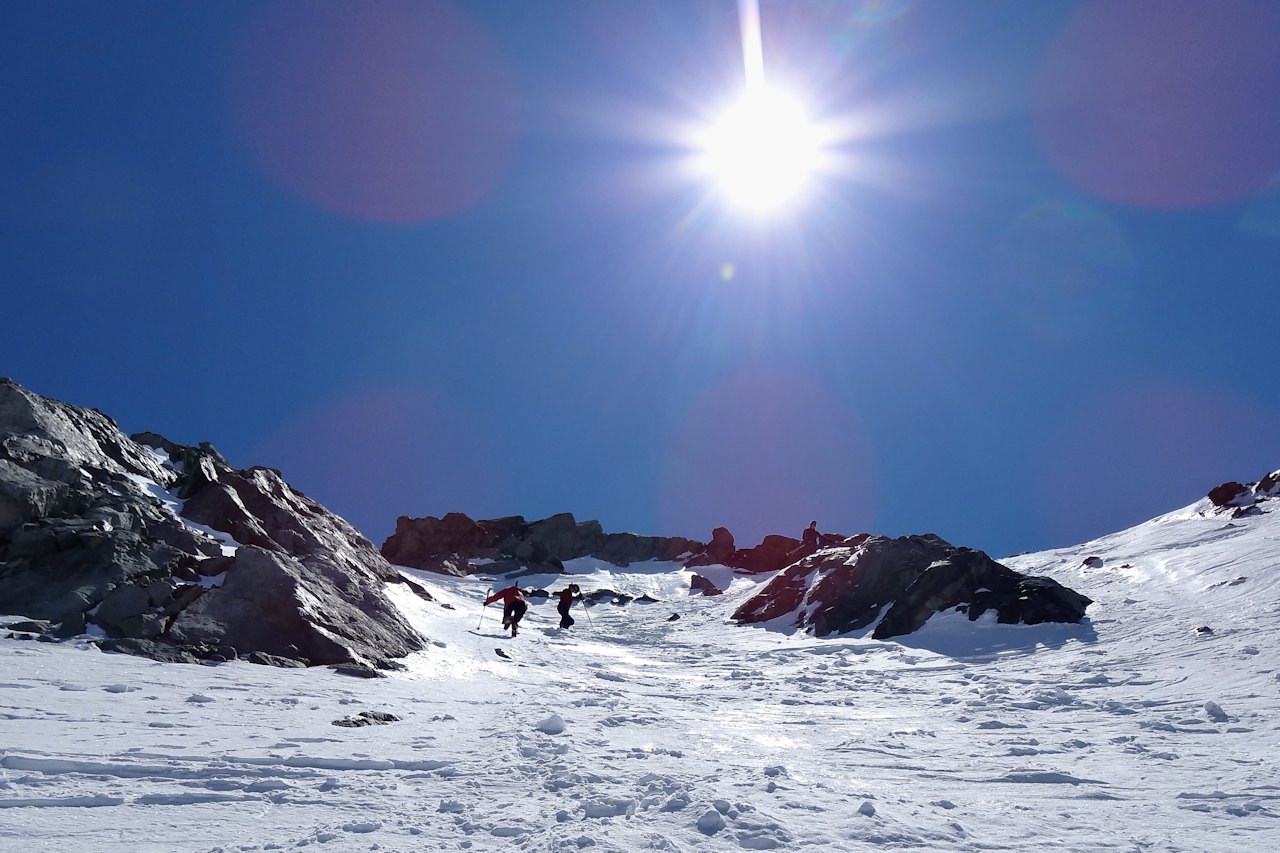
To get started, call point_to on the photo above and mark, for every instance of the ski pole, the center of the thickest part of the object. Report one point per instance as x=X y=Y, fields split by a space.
x=482 y=607
x=587 y=611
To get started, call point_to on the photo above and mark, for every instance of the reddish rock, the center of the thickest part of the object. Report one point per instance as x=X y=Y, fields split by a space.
x=718 y=552
x=423 y=542
x=1231 y=494
x=783 y=596
x=774 y=553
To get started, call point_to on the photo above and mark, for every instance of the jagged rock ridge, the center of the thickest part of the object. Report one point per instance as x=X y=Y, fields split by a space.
x=458 y=545
x=175 y=554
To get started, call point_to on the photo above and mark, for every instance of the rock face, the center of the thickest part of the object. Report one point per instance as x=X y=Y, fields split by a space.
x=1231 y=494
x=845 y=587
x=698 y=583
x=770 y=555
x=1242 y=498
x=457 y=545
x=173 y=553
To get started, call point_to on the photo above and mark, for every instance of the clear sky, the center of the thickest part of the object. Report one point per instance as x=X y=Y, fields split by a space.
x=427 y=257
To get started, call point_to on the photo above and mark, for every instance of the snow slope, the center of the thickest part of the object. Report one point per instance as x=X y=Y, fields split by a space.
x=1129 y=732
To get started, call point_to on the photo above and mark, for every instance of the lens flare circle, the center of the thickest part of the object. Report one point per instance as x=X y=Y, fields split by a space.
x=396 y=112
x=763 y=150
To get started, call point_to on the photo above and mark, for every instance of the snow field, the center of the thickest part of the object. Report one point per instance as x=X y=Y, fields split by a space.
x=635 y=732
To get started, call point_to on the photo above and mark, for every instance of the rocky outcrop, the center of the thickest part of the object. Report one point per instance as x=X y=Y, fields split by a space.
x=773 y=553
x=846 y=586
x=316 y=611
x=1245 y=499
x=698 y=583
x=719 y=551
x=76 y=520
x=458 y=545
x=426 y=543
x=171 y=552
x=1231 y=494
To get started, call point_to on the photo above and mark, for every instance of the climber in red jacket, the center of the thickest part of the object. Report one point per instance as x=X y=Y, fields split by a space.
x=567 y=596
x=513 y=606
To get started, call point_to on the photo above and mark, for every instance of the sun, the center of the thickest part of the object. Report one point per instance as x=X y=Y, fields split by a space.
x=763 y=151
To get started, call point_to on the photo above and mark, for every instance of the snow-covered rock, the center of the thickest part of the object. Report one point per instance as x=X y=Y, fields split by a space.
x=552 y=725
x=898 y=584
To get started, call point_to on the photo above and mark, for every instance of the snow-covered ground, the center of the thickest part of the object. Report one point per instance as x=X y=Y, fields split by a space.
x=1132 y=732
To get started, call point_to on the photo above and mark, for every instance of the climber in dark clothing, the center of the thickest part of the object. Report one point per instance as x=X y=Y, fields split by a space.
x=567 y=597
x=513 y=606
x=810 y=537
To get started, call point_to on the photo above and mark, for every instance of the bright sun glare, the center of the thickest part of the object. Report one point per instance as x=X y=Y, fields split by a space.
x=762 y=151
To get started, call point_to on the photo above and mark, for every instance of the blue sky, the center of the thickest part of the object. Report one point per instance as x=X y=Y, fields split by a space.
x=427 y=257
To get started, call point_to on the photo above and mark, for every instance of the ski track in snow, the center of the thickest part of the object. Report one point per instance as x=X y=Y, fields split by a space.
x=1131 y=732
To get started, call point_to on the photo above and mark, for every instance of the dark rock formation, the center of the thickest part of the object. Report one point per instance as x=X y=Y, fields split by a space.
x=103 y=529
x=972 y=580
x=698 y=583
x=769 y=556
x=772 y=554
x=602 y=595
x=846 y=587
x=623 y=549
x=457 y=545
x=367 y=718
x=319 y=610
x=425 y=543
x=357 y=670
x=163 y=652
x=264 y=659
x=719 y=551
x=1245 y=499
x=1231 y=494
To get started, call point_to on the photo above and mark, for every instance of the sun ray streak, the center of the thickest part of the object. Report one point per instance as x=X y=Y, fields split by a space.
x=752 y=44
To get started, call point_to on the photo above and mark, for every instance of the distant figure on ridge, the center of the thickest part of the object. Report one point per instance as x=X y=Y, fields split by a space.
x=810 y=537
x=567 y=597
x=513 y=606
